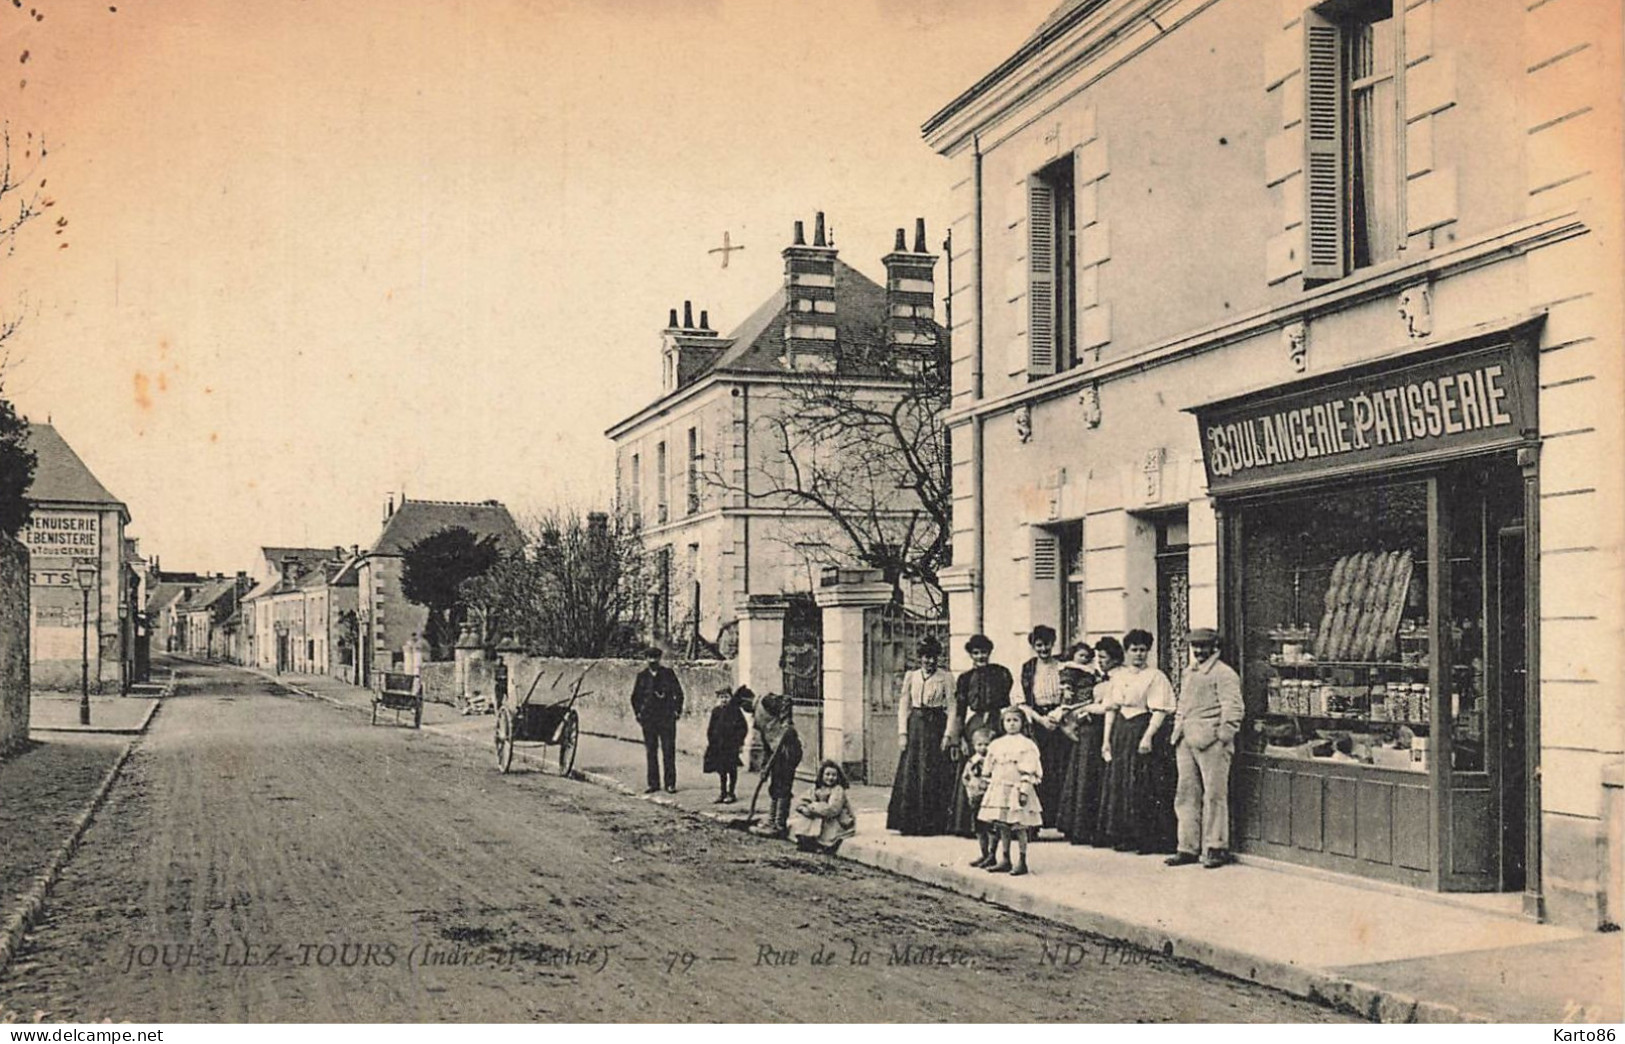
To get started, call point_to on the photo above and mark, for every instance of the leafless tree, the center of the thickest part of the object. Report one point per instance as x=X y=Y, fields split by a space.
x=860 y=448
x=22 y=200
x=578 y=588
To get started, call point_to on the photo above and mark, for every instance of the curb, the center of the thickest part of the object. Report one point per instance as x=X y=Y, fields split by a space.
x=1366 y=1000
x=26 y=914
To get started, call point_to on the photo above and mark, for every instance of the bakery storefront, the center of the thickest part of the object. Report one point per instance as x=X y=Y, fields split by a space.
x=1376 y=567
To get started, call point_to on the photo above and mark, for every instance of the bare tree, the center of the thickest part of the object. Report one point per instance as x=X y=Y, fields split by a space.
x=578 y=588
x=22 y=200
x=861 y=448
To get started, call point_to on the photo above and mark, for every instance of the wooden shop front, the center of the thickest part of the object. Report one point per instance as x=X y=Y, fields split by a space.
x=1378 y=557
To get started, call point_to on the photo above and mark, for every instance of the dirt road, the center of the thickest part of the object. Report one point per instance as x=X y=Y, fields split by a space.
x=271 y=858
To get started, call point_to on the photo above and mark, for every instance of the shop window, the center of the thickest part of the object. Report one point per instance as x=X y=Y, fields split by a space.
x=1335 y=628
x=1353 y=128
x=1052 y=329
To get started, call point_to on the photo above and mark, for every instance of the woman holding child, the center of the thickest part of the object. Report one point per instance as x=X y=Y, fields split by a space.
x=1078 y=817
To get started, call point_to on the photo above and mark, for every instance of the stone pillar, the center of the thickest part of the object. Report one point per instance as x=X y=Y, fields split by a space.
x=844 y=595
x=959 y=583
x=761 y=643
x=467 y=658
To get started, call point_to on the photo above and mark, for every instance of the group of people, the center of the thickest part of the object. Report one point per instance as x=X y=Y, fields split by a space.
x=1095 y=746
x=819 y=821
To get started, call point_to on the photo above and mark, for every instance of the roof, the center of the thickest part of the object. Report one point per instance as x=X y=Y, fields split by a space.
x=860 y=323
x=281 y=556
x=206 y=596
x=347 y=574
x=163 y=594
x=61 y=477
x=1063 y=18
x=416 y=519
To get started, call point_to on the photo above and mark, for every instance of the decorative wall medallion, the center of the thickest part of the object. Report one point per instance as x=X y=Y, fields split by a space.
x=1416 y=310
x=1089 y=399
x=1024 y=423
x=1295 y=336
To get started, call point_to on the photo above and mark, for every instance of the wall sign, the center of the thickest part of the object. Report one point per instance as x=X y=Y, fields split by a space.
x=1474 y=396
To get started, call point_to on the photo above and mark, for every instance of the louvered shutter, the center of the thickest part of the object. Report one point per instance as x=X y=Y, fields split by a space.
x=1325 y=184
x=1040 y=279
x=1045 y=596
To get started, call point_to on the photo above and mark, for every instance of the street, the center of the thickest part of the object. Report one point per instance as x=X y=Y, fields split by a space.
x=267 y=857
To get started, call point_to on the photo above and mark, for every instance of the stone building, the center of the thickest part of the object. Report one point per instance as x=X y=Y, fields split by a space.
x=386 y=619
x=701 y=469
x=76 y=524
x=1303 y=320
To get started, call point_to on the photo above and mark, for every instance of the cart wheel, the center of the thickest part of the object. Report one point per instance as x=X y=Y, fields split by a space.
x=504 y=740
x=417 y=715
x=569 y=732
x=375 y=712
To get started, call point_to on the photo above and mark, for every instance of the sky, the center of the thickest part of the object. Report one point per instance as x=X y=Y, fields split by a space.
x=316 y=254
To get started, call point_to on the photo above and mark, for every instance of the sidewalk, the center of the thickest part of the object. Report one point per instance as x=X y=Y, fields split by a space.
x=1389 y=953
x=126 y=715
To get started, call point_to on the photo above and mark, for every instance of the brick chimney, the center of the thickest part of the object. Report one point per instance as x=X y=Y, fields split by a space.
x=910 y=295
x=811 y=338
x=687 y=348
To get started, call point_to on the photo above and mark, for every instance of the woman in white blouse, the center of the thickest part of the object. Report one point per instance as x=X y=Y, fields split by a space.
x=923 y=791
x=1138 y=701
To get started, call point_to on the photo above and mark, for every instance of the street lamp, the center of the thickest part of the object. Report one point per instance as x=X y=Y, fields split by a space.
x=85 y=575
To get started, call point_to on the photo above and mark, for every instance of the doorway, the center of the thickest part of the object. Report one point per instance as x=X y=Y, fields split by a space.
x=1173 y=595
x=1514 y=681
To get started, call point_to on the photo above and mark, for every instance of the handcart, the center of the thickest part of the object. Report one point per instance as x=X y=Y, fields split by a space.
x=399 y=692
x=554 y=725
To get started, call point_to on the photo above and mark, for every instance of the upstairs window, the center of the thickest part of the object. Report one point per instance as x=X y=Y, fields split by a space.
x=1052 y=320
x=693 y=471
x=661 y=509
x=1352 y=132
x=637 y=490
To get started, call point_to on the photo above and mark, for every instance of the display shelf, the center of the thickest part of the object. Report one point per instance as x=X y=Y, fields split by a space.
x=1359 y=719
x=1361 y=664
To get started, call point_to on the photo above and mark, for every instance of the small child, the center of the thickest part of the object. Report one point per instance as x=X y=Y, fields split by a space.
x=1013 y=771
x=975 y=783
x=1077 y=693
x=778 y=732
x=724 y=738
x=823 y=821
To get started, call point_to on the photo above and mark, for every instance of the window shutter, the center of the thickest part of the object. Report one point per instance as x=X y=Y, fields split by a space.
x=1045 y=597
x=1325 y=186
x=1040 y=279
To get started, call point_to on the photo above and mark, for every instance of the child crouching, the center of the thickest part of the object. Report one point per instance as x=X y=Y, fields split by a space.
x=821 y=822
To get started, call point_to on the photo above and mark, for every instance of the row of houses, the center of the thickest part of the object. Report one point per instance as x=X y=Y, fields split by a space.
x=336 y=610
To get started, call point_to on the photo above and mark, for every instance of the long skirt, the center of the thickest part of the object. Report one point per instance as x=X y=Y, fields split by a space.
x=1054 y=751
x=1079 y=815
x=923 y=792
x=1136 y=806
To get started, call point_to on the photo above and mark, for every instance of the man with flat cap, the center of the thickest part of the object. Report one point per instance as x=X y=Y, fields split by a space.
x=1206 y=721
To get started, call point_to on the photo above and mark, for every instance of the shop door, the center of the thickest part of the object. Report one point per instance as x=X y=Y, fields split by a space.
x=1482 y=634
x=1514 y=672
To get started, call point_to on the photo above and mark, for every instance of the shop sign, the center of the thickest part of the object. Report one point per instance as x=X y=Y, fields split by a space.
x=1463 y=401
x=57 y=534
x=55 y=572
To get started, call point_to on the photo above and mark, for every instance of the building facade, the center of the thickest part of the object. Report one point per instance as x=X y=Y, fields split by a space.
x=386 y=620
x=1303 y=321
x=76 y=526
x=711 y=470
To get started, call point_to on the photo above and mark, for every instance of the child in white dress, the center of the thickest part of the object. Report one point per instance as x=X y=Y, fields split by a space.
x=1013 y=771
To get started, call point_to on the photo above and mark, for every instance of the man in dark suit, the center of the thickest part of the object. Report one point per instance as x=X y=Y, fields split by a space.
x=657 y=703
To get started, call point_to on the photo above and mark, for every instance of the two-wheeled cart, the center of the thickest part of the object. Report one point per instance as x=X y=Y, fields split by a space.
x=555 y=725
x=399 y=693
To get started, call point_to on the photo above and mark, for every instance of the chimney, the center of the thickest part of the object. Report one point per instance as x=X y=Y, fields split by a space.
x=688 y=315
x=687 y=350
x=389 y=508
x=910 y=294
x=672 y=323
x=705 y=319
x=810 y=331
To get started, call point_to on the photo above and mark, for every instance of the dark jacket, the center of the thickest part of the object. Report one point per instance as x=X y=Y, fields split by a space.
x=725 y=737
x=657 y=696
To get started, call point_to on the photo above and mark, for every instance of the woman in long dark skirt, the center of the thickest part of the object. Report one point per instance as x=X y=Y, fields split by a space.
x=979 y=695
x=1078 y=818
x=1133 y=807
x=1041 y=701
x=923 y=792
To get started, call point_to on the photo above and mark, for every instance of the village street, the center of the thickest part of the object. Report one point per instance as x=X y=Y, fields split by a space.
x=267 y=857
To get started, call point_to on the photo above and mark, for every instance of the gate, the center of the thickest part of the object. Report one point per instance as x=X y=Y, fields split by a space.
x=889 y=637
x=802 y=665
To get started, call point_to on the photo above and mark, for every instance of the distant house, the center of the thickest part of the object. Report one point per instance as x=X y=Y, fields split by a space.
x=76 y=522
x=264 y=645
x=386 y=620
x=206 y=614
